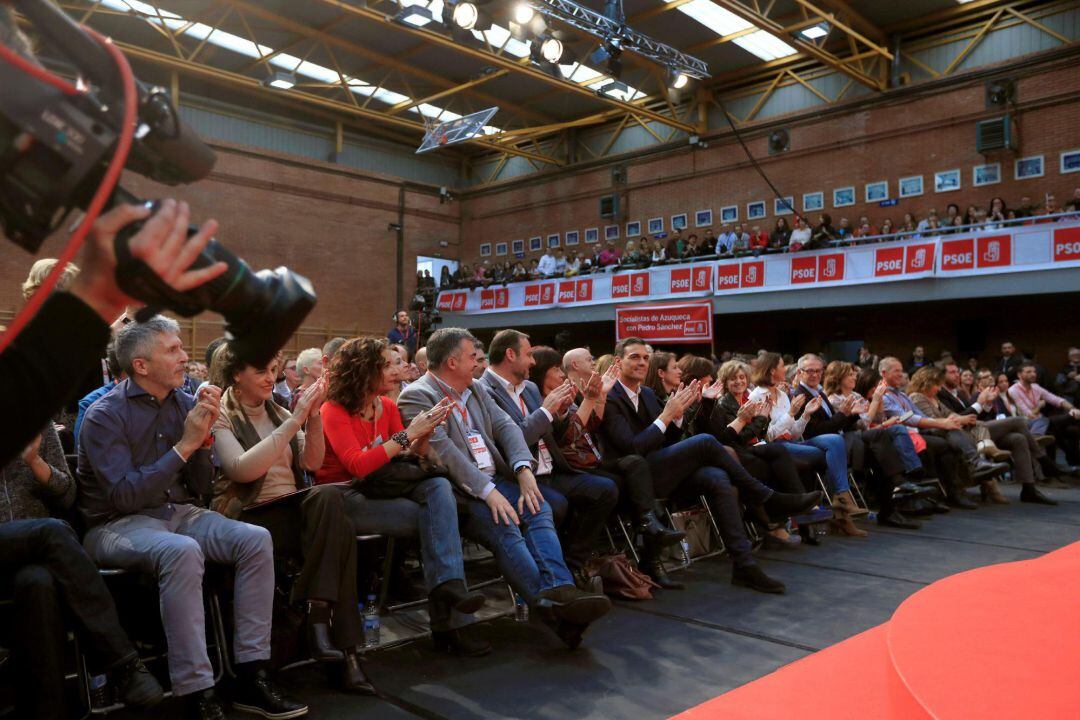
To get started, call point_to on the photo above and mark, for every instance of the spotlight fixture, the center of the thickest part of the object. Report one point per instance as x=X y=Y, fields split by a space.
x=609 y=54
x=415 y=15
x=280 y=79
x=615 y=86
x=460 y=16
x=677 y=79
x=551 y=49
x=523 y=13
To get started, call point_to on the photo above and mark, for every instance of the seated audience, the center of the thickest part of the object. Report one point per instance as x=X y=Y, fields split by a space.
x=1067 y=382
x=659 y=253
x=395 y=485
x=725 y=242
x=115 y=374
x=487 y=458
x=591 y=497
x=781 y=234
x=309 y=366
x=635 y=423
x=579 y=444
x=823 y=234
x=144 y=463
x=1031 y=399
x=481 y=361
x=675 y=248
x=918 y=360
x=800 y=236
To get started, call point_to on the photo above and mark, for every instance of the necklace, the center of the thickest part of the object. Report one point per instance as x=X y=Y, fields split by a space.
x=369 y=415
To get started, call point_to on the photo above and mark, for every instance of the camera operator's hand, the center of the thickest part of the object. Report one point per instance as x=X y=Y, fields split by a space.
x=162 y=243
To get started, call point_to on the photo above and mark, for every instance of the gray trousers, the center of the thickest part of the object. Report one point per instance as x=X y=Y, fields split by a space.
x=1012 y=434
x=175 y=551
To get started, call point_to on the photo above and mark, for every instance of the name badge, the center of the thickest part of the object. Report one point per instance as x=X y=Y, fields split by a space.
x=544 y=464
x=480 y=451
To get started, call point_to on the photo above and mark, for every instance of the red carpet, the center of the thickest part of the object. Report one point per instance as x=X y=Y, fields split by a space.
x=996 y=642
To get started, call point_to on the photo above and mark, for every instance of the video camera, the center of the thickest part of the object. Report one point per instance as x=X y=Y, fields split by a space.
x=54 y=151
x=426 y=317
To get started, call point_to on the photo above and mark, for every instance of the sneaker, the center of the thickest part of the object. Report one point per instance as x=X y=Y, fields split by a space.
x=259 y=695
x=136 y=687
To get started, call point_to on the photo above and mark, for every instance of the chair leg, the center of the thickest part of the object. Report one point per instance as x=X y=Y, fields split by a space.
x=858 y=490
x=824 y=487
x=720 y=548
x=387 y=567
x=221 y=641
x=629 y=538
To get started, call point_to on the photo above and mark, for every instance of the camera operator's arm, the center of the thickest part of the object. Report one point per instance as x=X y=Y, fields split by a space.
x=56 y=350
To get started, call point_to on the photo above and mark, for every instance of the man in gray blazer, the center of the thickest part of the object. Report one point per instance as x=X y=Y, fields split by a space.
x=489 y=461
x=591 y=497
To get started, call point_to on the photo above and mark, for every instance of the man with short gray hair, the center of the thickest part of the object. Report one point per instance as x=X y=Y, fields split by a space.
x=144 y=466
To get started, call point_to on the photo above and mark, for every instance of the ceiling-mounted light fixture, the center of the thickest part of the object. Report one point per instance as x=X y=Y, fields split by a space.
x=415 y=15
x=677 y=79
x=552 y=49
x=523 y=13
x=280 y=80
x=815 y=31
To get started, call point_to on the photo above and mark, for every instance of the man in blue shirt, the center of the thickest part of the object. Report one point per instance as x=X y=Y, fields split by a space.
x=144 y=465
x=115 y=373
x=403 y=333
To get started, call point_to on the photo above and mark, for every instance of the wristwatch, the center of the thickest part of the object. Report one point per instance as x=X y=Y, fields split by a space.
x=401 y=438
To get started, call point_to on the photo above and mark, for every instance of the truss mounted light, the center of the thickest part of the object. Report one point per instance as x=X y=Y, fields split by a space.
x=523 y=13
x=609 y=55
x=815 y=31
x=677 y=79
x=280 y=80
x=552 y=50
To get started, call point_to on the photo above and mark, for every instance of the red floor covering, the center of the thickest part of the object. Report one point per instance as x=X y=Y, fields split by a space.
x=1001 y=641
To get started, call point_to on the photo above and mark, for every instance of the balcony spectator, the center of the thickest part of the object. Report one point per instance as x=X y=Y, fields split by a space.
x=534 y=269
x=997 y=214
x=709 y=240
x=445 y=278
x=560 y=263
x=924 y=226
x=781 y=234
x=696 y=248
x=844 y=231
x=909 y=226
x=573 y=265
x=759 y=241
x=659 y=253
x=521 y=273
x=800 y=236
x=675 y=248
x=971 y=216
x=952 y=214
x=742 y=240
x=546 y=267
x=632 y=257
x=609 y=255
x=887 y=229
x=725 y=243
x=865 y=220
x=864 y=231
x=824 y=234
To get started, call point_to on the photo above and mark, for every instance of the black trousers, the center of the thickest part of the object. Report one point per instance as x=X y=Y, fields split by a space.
x=942 y=462
x=589 y=498
x=1066 y=432
x=773 y=465
x=54 y=579
x=317 y=530
x=634 y=479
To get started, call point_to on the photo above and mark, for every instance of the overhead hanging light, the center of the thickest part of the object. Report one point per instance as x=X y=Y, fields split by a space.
x=677 y=79
x=465 y=15
x=280 y=80
x=551 y=49
x=415 y=15
x=523 y=13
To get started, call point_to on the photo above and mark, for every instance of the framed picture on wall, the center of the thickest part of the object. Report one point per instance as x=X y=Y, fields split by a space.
x=485 y=250
x=678 y=222
x=784 y=205
x=592 y=235
x=611 y=232
x=947 y=181
x=911 y=186
x=656 y=225
x=755 y=210
x=877 y=191
x=986 y=174
x=500 y=248
x=536 y=243
x=812 y=202
x=843 y=197
x=518 y=247
x=1070 y=162
x=703 y=218
x=553 y=240
x=729 y=214
x=571 y=237
x=1029 y=167
x=633 y=228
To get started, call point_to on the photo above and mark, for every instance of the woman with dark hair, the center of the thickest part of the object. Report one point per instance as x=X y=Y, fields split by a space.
x=695 y=367
x=263 y=452
x=364 y=436
x=787 y=421
x=664 y=375
x=445 y=280
x=823 y=233
x=741 y=426
x=997 y=213
x=581 y=448
x=781 y=234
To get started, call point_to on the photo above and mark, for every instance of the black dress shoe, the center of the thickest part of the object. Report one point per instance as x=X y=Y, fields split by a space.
x=983 y=468
x=353 y=678
x=657 y=532
x=960 y=499
x=753 y=577
x=459 y=642
x=575 y=606
x=136 y=687
x=1031 y=494
x=204 y=705
x=787 y=504
x=320 y=645
x=896 y=520
x=593 y=585
x=570 y=634
x=453 y=593
x=259 y=695
x=655 y=570
x=809 y=535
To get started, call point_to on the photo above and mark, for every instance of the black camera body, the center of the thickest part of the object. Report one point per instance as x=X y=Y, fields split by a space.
x=54 y=151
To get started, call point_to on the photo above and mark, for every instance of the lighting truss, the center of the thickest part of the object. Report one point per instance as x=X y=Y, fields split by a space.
x=606 y=30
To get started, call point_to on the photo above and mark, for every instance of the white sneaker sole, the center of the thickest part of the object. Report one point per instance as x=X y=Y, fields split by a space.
x=269 y=715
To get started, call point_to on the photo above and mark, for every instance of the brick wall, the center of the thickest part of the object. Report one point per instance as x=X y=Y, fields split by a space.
x=323 y=221
x=912 y=134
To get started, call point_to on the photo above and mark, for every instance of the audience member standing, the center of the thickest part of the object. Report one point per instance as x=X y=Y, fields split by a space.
x=403 y=332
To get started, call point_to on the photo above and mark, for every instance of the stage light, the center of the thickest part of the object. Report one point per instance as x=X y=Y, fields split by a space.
x=608 y=54
x=465 y=15
x=816 y=31
x=677 y=79
x=415 y=15
x=280 y=79
x=551 y=49
x=523 y=13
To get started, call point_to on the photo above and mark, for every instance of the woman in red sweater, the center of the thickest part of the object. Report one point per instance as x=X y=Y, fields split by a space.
x=364 y=433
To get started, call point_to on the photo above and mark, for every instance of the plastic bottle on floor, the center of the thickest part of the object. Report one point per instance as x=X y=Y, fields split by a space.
x=521 y=609
x=685 y=545
x=371 y=622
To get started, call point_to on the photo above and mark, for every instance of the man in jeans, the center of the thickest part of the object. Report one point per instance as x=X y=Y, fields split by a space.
x=144 y=464
x=635 y=424
x=488 y=459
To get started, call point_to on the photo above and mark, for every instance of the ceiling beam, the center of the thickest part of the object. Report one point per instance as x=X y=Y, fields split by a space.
x=868 y=28
x=522 y=67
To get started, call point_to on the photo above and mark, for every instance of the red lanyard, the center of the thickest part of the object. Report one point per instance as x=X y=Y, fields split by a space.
x=460 y=406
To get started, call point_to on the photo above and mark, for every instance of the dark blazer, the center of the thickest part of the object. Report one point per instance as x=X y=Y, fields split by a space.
x=953 y=403
x=820 y=422
x=723 y=413
x=625 y=431
x=535 y=426
x=1009 y=365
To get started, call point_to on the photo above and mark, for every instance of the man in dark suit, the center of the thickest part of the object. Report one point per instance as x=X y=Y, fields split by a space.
x=1009 y=362
x=487 y=459
x=591 y=497
x=635 y=423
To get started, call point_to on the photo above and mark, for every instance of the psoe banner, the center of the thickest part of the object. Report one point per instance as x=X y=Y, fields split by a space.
x=682 y=323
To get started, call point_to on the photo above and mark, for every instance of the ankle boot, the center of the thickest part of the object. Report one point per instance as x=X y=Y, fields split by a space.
x=650 y=526
x=843 y=525
x=844 y=502
x=353 y=678
x=990 y=491
x=318 y=633
x=654 y=568
x=454 y=594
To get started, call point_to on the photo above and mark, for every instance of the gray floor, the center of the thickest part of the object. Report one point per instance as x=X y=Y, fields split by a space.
x=656 y=659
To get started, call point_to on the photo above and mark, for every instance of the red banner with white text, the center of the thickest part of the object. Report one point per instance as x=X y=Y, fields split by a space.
x=682 y=323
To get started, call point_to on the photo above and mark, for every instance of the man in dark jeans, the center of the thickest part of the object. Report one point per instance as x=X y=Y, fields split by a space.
x=634 y=423
x=53 y=577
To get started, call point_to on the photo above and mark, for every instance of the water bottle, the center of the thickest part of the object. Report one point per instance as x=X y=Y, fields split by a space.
x=371 y=623
x=521 y=609
x=685 y=545
x=99 y=692
x=871 y=515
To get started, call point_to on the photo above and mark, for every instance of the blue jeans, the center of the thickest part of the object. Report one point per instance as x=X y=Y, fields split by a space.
x=428 y=512
x=901 y=440
x=835 y=457
x=529 y=555
x=591 y=499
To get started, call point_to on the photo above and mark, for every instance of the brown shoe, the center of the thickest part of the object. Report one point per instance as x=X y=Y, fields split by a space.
x=845 y=503
x=844 y=526
x=990 y=491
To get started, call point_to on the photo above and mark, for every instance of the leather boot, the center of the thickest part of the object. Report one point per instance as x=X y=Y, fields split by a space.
x=1031 y=494
x=318 y=633
x=654 y=568
x=353 y=678
x=843 y=525
x=990 y=491
x=845 y=502
x=454 y=594
x=652 y=529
